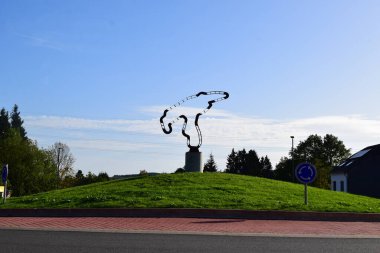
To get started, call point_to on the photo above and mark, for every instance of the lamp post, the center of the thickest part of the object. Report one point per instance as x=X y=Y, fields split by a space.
x=58 y=163
x=4 y=176
x=292 y=137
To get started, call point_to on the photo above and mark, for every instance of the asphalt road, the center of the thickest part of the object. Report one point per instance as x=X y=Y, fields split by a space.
x=19 y=241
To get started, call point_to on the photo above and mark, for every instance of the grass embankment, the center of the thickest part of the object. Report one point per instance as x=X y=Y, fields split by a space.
x=196 y=190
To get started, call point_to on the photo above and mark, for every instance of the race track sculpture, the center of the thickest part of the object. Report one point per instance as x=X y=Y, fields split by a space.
x=169 y=129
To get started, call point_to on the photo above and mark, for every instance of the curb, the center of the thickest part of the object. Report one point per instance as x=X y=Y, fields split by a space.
x=191 y=213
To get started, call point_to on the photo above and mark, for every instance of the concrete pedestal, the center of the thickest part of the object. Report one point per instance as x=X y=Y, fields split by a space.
x=193 y=161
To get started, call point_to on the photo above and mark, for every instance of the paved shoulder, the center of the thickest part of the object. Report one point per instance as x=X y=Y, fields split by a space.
x=198 y=226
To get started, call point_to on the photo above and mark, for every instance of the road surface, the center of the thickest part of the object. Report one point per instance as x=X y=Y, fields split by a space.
x=19 y=241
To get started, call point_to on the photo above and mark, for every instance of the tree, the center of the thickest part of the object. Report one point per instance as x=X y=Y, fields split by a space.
x=232 y=162
x=4 y=124
x=90 y=178
x=309 y=149
x=210 y=165
x=16 y=122
x=284 y=170
x=333 y=150
x=103 y=176
x=30 y=169
x=79 y=178
x=252 y=164
x=241 y=163
x=68 y=181
x=63 y=160
x=266 y=166
x=323 y=174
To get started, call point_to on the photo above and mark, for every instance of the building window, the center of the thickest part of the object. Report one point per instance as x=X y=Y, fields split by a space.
x=334 y=185
x=342 y=186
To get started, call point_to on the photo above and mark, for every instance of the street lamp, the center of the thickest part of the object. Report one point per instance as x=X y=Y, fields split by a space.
x=58 y=163
x=292 y=137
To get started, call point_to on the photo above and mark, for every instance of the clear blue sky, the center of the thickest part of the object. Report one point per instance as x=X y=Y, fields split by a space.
x=93 y=73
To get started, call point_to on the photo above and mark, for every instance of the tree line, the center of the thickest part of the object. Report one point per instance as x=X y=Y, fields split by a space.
x=324 y=152
x=243 y=162
x=33 y=169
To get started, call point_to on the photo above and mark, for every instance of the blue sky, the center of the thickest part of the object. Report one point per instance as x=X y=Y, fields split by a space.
x=96 y=75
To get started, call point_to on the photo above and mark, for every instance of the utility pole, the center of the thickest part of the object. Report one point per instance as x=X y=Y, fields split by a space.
x=294 y=177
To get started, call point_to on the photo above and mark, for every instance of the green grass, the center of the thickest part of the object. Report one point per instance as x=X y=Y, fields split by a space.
x=196 y=190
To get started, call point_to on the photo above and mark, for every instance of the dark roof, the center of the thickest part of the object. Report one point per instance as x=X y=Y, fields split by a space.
x=339 y=170
x=351 y=161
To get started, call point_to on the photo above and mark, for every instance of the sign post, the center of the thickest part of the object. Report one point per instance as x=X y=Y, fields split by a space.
x=306 y=173
x=4 y=177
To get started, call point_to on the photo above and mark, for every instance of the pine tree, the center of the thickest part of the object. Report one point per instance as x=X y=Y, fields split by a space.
x=232 y=162
x=253 y=165
x=241 y=164
x=210 y=165
x=16 y=122
x=266 y=167
x=4 y=124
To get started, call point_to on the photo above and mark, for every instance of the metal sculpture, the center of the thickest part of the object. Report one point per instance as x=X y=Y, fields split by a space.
x=224 y=94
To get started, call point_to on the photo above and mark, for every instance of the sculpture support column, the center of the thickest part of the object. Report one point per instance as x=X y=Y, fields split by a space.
x=193 y=161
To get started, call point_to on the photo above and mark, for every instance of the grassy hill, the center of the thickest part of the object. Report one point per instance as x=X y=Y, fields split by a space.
x=196 y=190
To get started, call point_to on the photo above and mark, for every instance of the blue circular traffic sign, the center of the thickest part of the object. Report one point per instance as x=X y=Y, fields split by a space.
x=306 y=173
